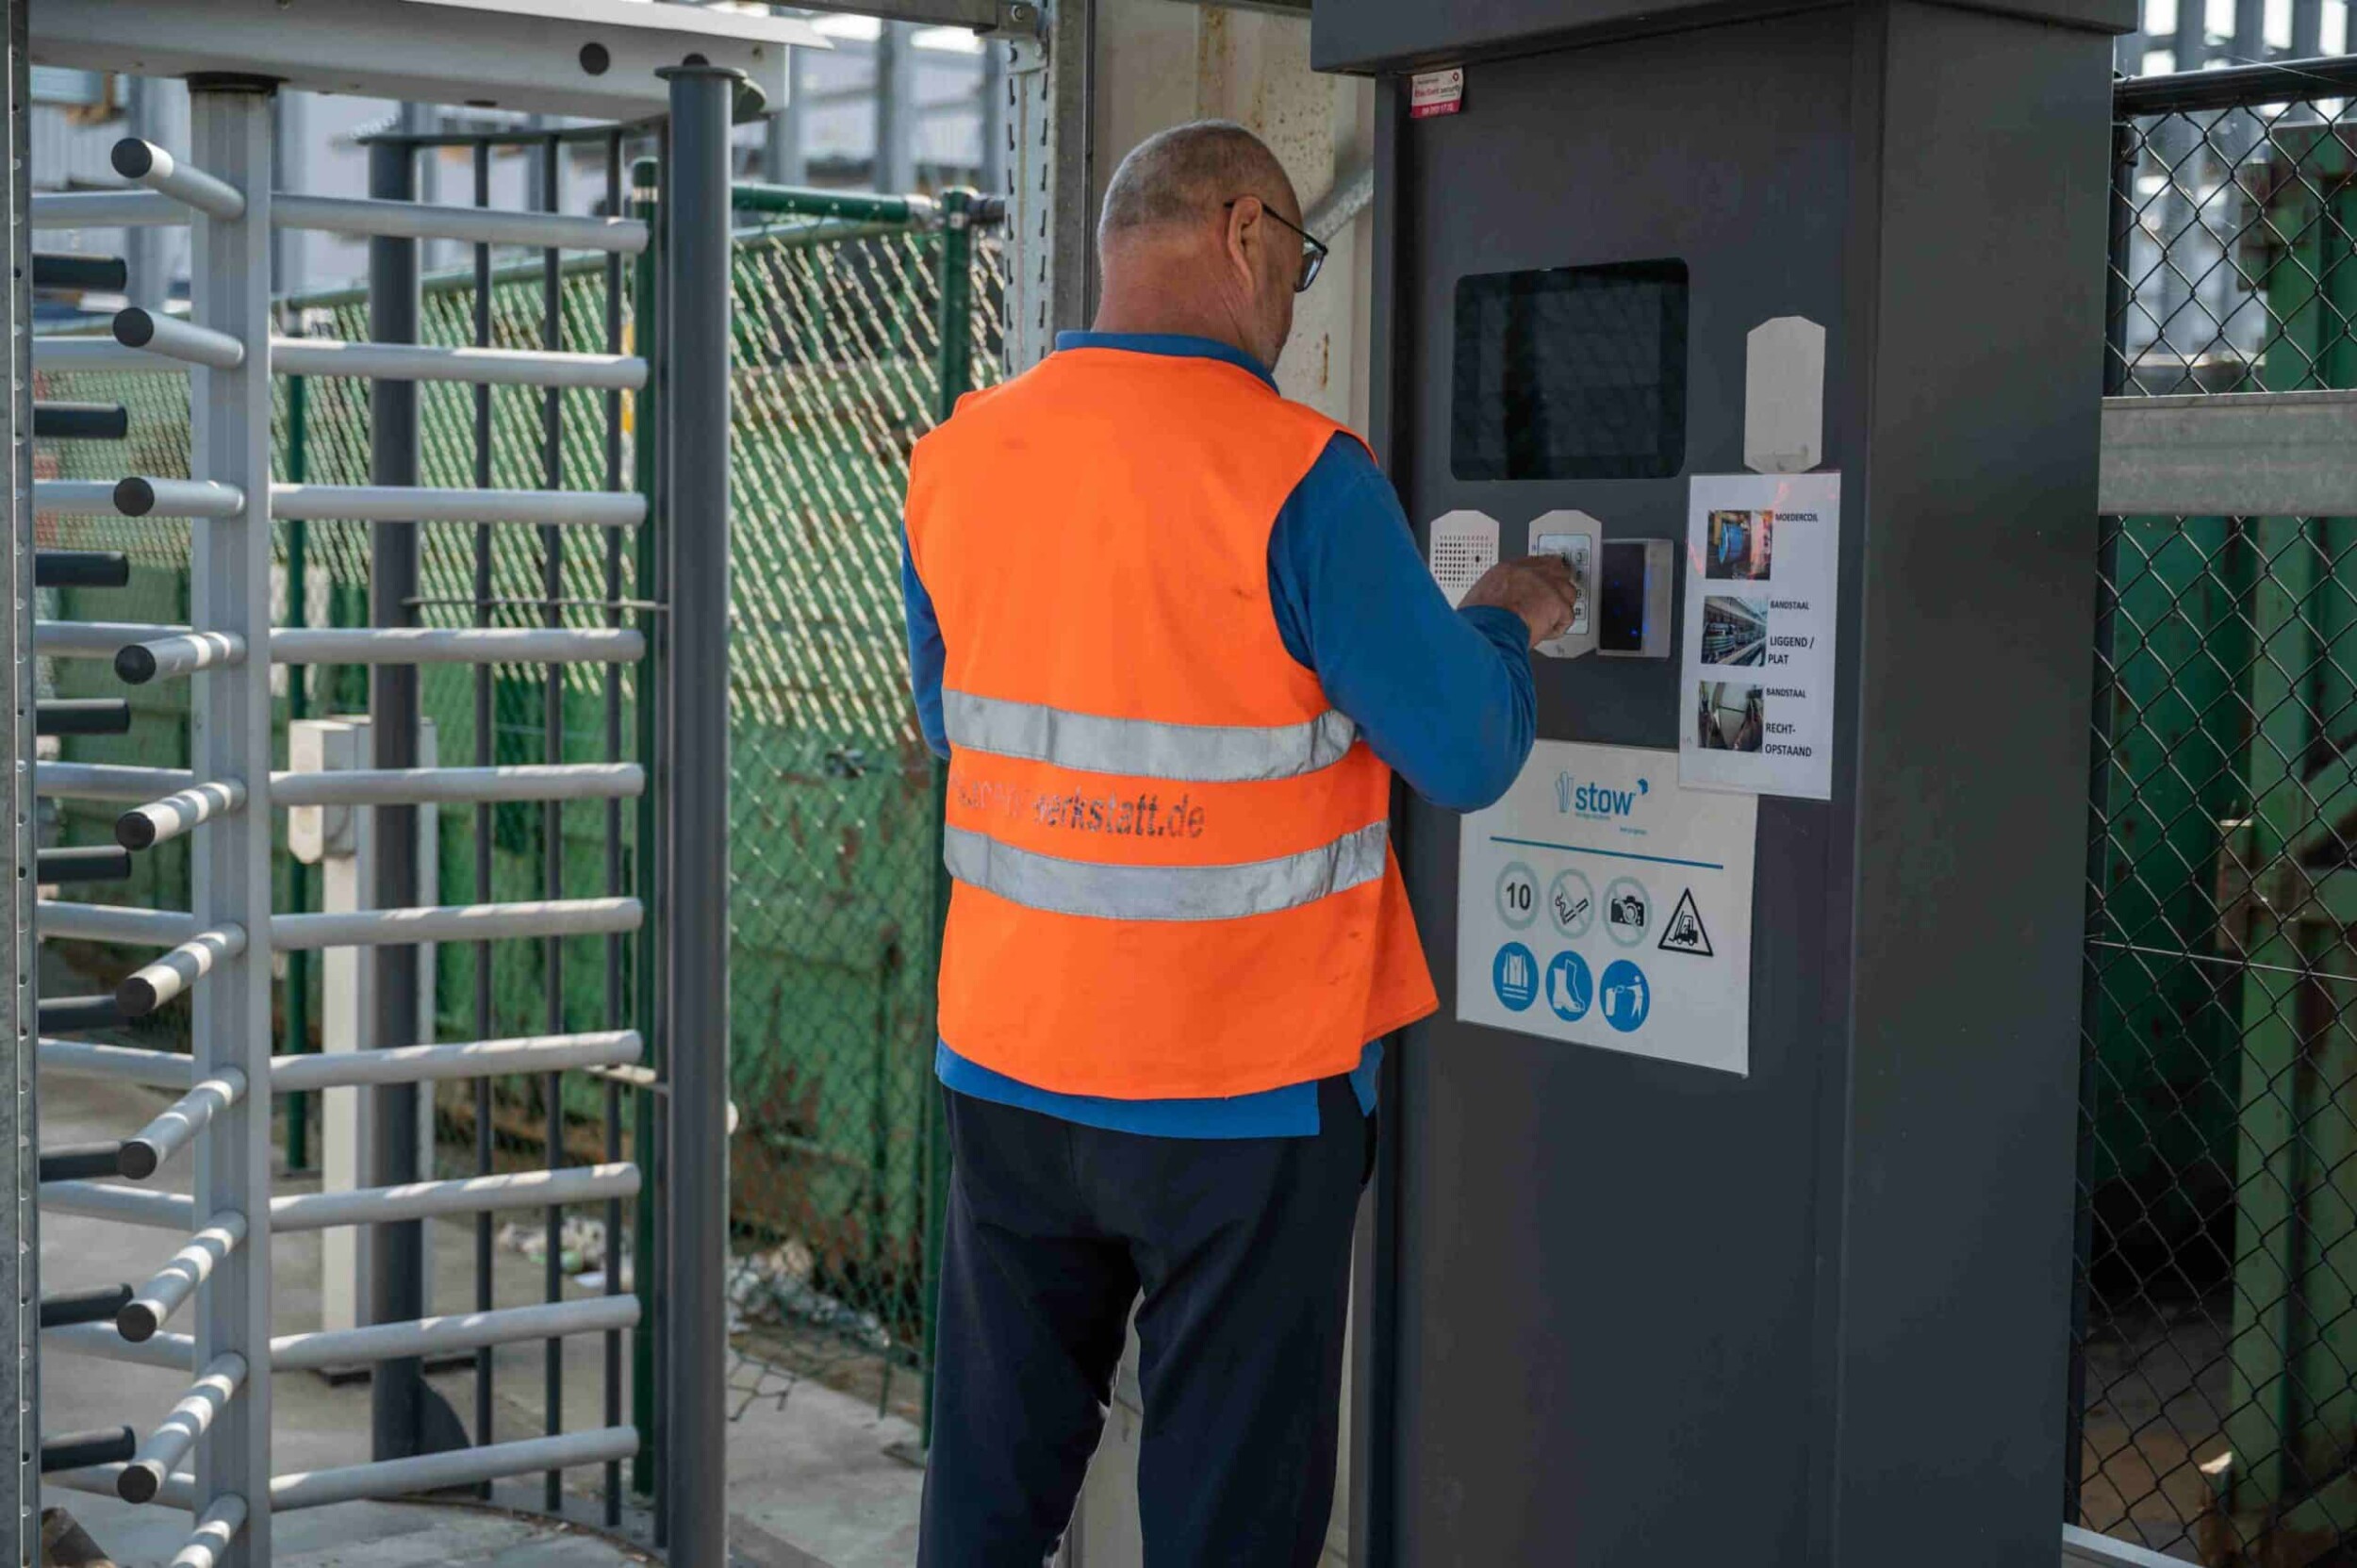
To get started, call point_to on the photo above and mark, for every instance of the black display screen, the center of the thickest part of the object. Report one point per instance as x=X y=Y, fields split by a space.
x=1572 y=372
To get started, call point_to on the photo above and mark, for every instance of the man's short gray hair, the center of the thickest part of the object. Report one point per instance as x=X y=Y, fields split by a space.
x=1183 y=175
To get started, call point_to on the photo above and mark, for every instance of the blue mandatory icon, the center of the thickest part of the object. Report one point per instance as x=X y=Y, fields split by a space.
x=1515 y=974
x=1628 y=998
x=1571 y=987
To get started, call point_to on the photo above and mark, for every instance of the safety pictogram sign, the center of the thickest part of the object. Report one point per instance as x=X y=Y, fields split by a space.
x=1685 y=933
x=1606 y=905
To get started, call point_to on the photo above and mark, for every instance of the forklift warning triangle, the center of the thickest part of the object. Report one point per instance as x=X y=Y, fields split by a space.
x=1685 y=934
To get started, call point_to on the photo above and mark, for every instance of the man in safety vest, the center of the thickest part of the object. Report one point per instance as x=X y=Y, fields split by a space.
x=1173 y=634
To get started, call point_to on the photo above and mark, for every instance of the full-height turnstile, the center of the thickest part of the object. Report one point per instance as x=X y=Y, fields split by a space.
x=210 y=1452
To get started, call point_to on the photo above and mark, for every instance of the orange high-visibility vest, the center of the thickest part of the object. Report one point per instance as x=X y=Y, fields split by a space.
x=1171 y=855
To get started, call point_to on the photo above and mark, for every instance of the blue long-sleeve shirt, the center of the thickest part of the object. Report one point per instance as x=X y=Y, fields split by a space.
x=1444 y=697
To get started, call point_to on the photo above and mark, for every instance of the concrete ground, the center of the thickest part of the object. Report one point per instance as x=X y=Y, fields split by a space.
x=811 y=1483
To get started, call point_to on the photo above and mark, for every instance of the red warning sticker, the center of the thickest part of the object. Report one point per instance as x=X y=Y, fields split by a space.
x=1431 y=92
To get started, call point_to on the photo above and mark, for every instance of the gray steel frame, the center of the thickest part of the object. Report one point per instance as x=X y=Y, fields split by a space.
x=229 y=738
x=694 y=455
x=20 y=1237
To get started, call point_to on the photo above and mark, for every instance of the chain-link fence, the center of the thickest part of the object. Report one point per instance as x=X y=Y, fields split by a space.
x=841 y=360
x=2217 y=1341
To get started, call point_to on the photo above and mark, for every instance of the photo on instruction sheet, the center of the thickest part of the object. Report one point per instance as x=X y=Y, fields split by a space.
x=1739 y=546
x=1729 y=717
x=1735 y=631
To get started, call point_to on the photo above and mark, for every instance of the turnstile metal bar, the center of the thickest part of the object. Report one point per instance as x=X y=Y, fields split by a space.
x=162 y=928
x=439 y=1336
x=72 y=1012
x=172 y=339
x=75 y=497
x=80 y=1450
x=80 y=421
x=484 y=748
x=81 y=569
x=392 y=1477
x=553 y=811
x=101 y=639
x=208 y=1544
x=153 y=1303
x=130 y=1205
x=93 y=639
x=162 y=978
x=96 y=1305
x=167 y=658
x=529 y=1189
x=81 y=716
x=454 y=645
x=107 y=780
x=367 y=928
x=103 y=1341
x=458 y=1467
x=189 y=1419
x=81 y=1161
x=158 y=822
x=616 y=947
x=144 y=163
x=425 y=504
x=478 y=226
x=65 y=272
x=92 y=353
x=178 y=1490
x=482 y=365
x=589 y=781
x=308 y=1352
x=462 y=1060
x=93 y=862
x=140 y=497
x=107 y=209
x=145 y=1151
x=157 y=1069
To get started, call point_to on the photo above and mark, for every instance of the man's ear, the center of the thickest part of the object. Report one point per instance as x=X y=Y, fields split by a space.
x=1240 y=223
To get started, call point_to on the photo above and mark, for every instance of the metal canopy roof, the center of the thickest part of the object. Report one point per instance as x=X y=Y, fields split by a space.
x=591 y=58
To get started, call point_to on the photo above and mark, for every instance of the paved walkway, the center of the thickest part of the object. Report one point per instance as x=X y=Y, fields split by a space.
x=811 y=1483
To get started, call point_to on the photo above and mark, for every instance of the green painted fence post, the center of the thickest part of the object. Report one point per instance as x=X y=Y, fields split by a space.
x=957 y=375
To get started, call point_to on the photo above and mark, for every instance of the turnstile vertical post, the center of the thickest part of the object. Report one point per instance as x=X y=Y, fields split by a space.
x=396 y=1257
x=229 y=738
x=20 y=1236
x=694 y=343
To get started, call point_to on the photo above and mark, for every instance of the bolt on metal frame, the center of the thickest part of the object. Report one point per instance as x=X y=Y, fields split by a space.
x=219 y=951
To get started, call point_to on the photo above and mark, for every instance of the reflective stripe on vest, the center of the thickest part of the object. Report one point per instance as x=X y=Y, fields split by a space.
x=1139 y=747
x=1102 y=892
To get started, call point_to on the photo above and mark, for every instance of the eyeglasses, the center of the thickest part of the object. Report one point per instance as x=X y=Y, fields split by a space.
x=1313 y=248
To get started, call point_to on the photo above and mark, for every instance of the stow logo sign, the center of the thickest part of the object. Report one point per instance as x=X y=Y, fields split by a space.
x=1598 y=801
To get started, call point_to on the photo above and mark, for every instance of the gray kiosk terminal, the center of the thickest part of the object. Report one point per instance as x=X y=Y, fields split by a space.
x=1727 y=1219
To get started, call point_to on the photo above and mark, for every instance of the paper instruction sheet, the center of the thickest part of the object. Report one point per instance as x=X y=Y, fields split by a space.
x=1763 y=554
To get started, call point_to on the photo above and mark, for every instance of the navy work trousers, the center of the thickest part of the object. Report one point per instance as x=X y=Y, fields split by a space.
x=1241 y=1250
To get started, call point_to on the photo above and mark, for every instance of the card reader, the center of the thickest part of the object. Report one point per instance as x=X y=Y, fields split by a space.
x=1624 y=588
x=1633 y=599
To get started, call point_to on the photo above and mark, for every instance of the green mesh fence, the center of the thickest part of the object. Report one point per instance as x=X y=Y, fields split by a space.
x=838 y=365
